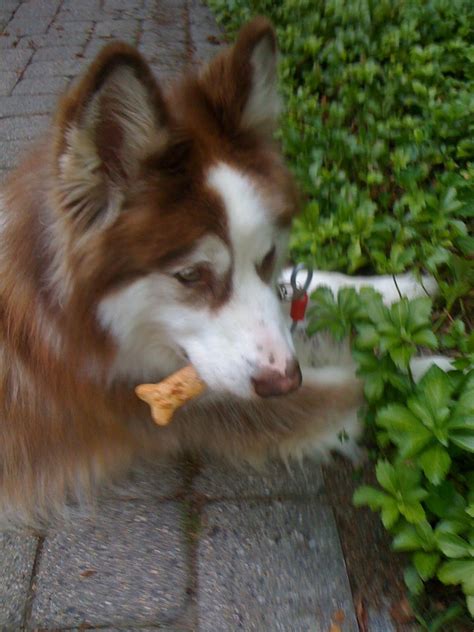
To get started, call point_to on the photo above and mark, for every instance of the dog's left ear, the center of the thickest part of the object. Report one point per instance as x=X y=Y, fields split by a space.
x=105 y=127
x=241 y=83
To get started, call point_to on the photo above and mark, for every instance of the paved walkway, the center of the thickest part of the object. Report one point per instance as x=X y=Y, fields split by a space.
x=190 y=546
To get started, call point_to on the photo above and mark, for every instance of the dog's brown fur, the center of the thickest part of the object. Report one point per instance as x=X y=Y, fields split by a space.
x=63 y=427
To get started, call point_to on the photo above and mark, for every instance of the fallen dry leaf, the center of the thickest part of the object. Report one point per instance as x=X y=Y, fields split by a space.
x=362 y=616
x=401 y=611
x=339 y=616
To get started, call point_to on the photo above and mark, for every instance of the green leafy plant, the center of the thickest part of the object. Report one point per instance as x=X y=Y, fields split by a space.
x=424 y=430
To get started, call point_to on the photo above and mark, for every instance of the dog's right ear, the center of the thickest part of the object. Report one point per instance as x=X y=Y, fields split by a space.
x=106 y=124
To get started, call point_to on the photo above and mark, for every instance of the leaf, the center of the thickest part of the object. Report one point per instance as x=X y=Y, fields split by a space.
x=413 y=580
x=404 y=428
x=470 y=604
x=366 y=495
x=457 y=572
x=435 y=463
x=419 y=310
x=367 y=337
x=397 y=417
x=407 y=539
x=436 y=387
x=386 y=476
x=465 y=404
x=402 y=355
x=389 y=514
x=373 y=387
x=453 y=545
x=425 y=338
x=464 y=422
x=426 y=564
x=413 y=512
x=444 y=501
x=465 y=441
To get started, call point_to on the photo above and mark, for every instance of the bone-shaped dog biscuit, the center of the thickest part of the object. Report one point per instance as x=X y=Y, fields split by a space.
x=174 y=391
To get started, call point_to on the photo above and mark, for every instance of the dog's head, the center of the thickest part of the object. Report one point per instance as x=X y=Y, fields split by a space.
x=175 y=212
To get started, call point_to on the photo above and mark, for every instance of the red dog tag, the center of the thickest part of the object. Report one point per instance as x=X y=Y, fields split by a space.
x=298 y=307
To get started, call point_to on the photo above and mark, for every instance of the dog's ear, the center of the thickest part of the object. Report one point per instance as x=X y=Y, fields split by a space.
x=241 y=83
x=105 y=125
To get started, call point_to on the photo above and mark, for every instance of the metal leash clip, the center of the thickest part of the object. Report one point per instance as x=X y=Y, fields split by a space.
x=299 y=298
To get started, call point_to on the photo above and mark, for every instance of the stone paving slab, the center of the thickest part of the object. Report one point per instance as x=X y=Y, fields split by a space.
x=11 y=153
x=8 y=81
x=27 y=26
x=27 y=104
x=157 y=481
x=17 y=554
x=14 y=60
x=127 y=563
x=53 y=53
x=206 y=35
x=275 y=567
x=19 y=127
x=50 y=85
x=216 y=480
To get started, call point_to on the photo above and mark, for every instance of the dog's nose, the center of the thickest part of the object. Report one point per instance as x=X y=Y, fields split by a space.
x=269 y=382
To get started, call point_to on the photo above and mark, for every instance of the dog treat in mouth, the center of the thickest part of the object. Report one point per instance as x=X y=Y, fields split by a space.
x=174 y=391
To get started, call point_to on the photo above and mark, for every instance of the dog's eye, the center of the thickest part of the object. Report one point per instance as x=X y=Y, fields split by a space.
x=189 y=276
x=265 y=267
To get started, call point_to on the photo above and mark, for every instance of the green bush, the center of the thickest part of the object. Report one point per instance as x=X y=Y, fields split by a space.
x=424 y=432
x=379 y=131
x=379 y=126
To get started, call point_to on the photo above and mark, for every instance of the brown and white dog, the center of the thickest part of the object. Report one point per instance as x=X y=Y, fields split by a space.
x=145 y=232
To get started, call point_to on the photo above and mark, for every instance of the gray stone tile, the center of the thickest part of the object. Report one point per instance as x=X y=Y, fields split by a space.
x=5 y=17
x=80 y=12
x=206 y=36
x=23 y=127
x=26 y=26
x=272 y=568
x=17 y=554
x=53 y=38
x=96 y=45
x=34 y=9
x=135 y=11
x=46 y=85
x=150 y=480
x=58 y=53
x=11 y=153
x=26 y=104
x=117 y=28
x=126 y=564
x=169 y=49
x=72 y=26
x=162 y=53
x=7 y=82
x=11 y=5
x=66 y=68
x=184 y=628
x=7 y=41
x=14 y=60
x=120 y=4
x=224 y=481
x=88 y=6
